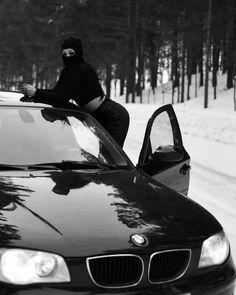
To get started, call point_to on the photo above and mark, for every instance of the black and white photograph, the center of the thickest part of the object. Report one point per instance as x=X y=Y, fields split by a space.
x=117 y=147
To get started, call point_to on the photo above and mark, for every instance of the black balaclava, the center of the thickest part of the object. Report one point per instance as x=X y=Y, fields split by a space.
x=76 y=45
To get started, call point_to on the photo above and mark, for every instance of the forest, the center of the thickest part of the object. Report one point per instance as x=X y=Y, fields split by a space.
x=130 y=41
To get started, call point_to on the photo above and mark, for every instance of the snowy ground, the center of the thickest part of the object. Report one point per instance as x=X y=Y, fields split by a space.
x=209 y=135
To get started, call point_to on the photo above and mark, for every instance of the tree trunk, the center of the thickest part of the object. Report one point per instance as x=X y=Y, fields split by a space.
x=131 y=66
x=175 y=61
x=153 y=66
x=208 y=48
x=122 y=85
x=230 y=43
x=189 y=72
x=139 y=88
x=183 y=74
x=121 y=75
x=200 y=67
x=108 y=80
x=216 y=55
x=140 y=49
x=196 y=76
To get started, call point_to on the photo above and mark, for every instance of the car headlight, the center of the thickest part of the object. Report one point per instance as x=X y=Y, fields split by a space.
x=19 y=266
x=215 y=250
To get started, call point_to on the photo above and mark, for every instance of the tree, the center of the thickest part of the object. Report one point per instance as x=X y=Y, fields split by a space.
x=230 y=41
x=128 y=40
x=208 y=48
x=131 y=50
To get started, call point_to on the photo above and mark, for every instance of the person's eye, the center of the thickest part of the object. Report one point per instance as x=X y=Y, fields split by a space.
x=68 y=53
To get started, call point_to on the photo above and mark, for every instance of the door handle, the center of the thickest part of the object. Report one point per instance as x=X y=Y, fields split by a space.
x=184 y=169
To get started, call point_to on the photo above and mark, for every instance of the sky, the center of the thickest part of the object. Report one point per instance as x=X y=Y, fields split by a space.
x=209 y=136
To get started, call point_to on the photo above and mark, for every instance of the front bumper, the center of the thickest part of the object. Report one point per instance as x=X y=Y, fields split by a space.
x=222 y=289
x=190 y=288
x=218 y=280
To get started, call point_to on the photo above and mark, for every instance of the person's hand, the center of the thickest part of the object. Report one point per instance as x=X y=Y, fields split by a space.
x=28 y=90
x=27 y=99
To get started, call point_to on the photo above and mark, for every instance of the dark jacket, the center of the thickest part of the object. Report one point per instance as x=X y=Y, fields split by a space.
x=78 y=82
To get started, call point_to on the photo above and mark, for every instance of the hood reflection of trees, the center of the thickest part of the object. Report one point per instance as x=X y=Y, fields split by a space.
x=132 y=210
x=136 y=205
x=10 y=196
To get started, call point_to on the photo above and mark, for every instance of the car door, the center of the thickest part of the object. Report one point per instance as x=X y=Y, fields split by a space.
x=163 y=155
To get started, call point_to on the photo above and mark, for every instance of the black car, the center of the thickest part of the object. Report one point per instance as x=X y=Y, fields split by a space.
x=76 y=216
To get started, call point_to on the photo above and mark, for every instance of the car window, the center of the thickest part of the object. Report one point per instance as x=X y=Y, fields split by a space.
x=161 y=133
x=34 y=135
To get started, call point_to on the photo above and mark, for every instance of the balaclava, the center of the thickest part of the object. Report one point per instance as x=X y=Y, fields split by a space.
x=76 y=45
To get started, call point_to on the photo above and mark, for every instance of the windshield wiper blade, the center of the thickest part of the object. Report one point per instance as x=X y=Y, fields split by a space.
x=85 y=165
x=67 y=165
x=92 y=165
x=43 y=166
x=12 y=167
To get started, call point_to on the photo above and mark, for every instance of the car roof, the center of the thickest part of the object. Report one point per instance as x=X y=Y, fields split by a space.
x=14 y=99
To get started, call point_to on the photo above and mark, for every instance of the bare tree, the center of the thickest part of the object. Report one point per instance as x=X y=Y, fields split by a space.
x=208 y=49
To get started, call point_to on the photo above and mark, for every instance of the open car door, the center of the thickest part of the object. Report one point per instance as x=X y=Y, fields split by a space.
x=163 y=155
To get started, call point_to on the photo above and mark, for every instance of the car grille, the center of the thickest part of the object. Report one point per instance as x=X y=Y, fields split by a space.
x=115 y=271
x=168 y=265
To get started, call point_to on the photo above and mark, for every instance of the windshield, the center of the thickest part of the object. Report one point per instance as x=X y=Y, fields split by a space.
x=34 y=135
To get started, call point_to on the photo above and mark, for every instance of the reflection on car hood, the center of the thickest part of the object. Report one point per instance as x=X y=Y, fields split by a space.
x=90 y=213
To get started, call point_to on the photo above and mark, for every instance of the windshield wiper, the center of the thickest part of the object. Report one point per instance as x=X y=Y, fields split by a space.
x=63 y=165
x=12 y=167
x=42 y=166
x=68 y=165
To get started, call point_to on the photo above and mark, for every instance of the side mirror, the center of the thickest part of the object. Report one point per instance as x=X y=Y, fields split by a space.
x=168 y=153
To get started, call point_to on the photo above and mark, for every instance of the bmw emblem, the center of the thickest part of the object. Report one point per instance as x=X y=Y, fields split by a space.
x=139 y=240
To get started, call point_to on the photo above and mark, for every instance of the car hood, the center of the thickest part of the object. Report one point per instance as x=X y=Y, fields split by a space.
x=90 y=212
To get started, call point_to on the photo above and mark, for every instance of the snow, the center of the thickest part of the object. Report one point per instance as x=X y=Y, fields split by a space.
x=209 y=136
